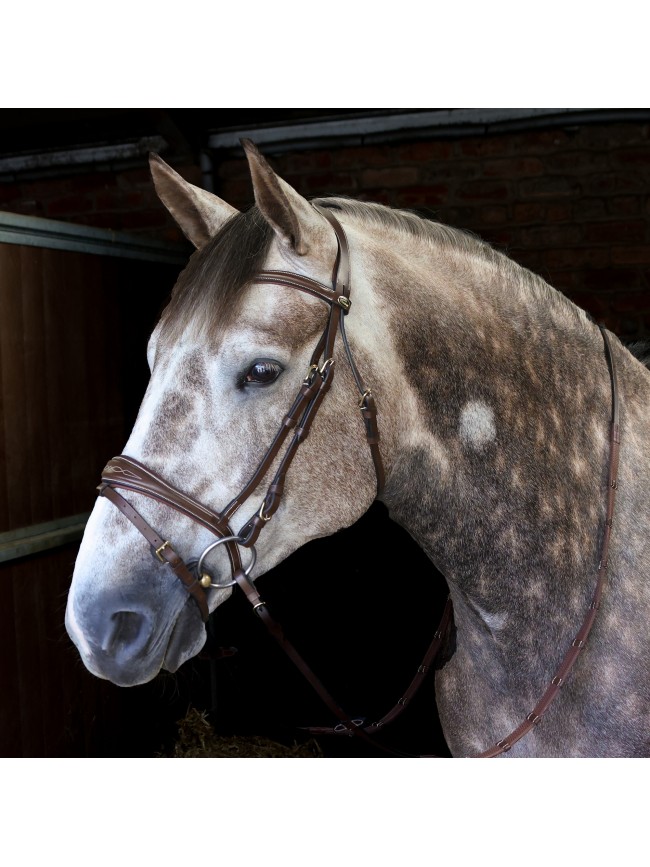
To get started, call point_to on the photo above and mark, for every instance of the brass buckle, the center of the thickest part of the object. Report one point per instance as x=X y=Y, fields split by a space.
x=164 y=545
x=262 y=515
x=344 y=302
x=311 y=373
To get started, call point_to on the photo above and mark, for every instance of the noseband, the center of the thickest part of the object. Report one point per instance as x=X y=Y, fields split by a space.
x=129 y=474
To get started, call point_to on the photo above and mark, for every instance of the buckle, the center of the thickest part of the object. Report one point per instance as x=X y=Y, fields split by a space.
x=164 y=545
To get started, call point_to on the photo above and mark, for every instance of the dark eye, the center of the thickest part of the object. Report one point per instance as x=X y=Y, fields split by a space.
x=263 y=372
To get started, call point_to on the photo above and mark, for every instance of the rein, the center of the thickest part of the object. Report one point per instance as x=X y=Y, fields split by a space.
x=129 y=474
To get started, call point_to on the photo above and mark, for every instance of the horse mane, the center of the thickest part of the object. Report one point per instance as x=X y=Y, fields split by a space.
x=208 y=292
x=453 y=240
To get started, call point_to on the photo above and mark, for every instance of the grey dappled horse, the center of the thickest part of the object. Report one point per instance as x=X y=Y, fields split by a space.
x=494 y=400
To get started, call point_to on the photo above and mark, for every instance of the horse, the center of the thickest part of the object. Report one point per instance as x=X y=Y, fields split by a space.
x=488 y=401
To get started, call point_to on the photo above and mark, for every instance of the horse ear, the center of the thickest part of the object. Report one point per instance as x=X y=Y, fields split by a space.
x=199 y=214
x=293 y=219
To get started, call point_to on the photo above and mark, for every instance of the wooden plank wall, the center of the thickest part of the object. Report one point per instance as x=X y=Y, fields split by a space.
x=73 y=332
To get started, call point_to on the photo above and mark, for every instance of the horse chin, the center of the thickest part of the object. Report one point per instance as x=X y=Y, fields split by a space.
x=185 y=640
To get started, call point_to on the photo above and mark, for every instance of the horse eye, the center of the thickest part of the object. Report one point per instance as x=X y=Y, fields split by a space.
x=263 y=372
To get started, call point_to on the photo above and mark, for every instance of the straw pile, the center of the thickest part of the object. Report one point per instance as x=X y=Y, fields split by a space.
x=197 y=739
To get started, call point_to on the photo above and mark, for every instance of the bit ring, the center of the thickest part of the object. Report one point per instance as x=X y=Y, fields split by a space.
x=247 y=570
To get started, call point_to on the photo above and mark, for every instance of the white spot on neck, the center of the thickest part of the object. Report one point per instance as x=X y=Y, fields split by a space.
x=477 y=425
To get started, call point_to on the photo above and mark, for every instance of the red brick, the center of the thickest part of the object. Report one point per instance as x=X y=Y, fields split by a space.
x=627 y=232
x=529 y=212
x=134 y=178
x=485 y=146
x=576 y=162
x=558 y=213
x=600 y=185
x=47 y=188
x=542 y=141
x=143 y=219
x=631 y=255
x=399 y=176
x=551 y=235
x=613 y=136
x=608 y=279
x=513 y=167
x=435 y=194
x=91 y=182
x=68 y=206
x=425 y=151
x=307 y=162
x=484 y=191
x=624 y=206
x=493 y=214
x=632 y=157
x=325 y=183
x=121 y=201
x=547 y=187
x=574 y=257
x=363 y=157
x=588 y=208
x=102 y=220
x=28 y=207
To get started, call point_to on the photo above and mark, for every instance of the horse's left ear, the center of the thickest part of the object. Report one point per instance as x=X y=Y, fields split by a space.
x=293 y=219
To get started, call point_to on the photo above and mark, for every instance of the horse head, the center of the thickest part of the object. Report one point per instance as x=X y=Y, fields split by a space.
x=227 y=358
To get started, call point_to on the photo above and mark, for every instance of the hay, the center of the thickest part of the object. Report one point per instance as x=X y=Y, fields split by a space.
x=197 y=739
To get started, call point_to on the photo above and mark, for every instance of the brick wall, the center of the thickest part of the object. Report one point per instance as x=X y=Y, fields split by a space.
x=111 y=199
x=571 y=205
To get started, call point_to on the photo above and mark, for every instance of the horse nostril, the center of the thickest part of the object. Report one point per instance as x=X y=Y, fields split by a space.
x=126 y=630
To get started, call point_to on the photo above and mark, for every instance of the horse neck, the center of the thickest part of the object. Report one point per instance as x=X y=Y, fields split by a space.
x=498 y=476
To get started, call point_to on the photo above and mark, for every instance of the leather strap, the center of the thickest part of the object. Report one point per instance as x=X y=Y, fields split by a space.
x=162 y=548
x=578 y=643
x=408 y=695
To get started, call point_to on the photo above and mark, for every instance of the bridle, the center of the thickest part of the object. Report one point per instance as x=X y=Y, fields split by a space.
x=129 y=474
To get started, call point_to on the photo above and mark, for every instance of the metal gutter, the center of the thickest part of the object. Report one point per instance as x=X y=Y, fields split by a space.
x=41 y=537
x=393 y=125
x=58 y=235
x=82 y=156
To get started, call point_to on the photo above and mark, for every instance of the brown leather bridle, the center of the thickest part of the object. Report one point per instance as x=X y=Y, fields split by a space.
x=129 y=474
